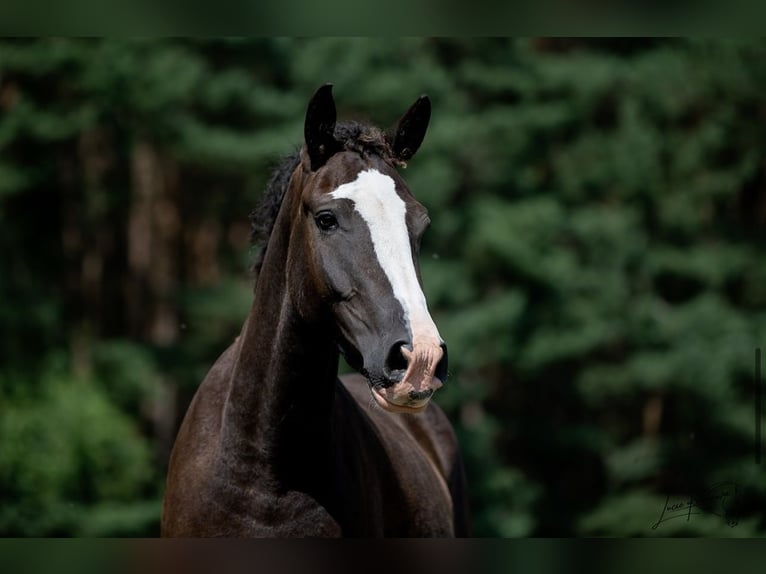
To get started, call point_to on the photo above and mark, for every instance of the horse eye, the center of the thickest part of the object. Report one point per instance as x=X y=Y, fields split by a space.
x=326 y=221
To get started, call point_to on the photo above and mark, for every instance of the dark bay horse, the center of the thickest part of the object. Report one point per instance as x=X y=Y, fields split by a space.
x=273 y=443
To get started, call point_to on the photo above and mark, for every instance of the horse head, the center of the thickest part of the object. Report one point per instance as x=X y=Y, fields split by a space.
x=354 y=242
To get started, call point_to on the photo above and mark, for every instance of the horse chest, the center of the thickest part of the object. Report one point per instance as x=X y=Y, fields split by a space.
x=388 y=485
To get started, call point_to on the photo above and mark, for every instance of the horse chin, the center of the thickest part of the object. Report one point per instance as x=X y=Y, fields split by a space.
x=407 y=406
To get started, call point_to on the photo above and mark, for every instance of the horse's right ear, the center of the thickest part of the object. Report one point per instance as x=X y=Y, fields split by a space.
x=319 y=127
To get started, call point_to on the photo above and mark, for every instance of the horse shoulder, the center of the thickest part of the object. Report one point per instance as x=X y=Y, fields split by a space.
x=194 y=451
x=201 y=499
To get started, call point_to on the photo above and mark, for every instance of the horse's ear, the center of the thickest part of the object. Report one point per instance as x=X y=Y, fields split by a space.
x=319 y=127
x=411 y=129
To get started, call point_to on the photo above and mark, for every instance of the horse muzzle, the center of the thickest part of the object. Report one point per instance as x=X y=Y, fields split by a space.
x=426 y=370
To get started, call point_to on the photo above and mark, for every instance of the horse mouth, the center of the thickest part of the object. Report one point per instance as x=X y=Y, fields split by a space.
x=408 y=407
x=402 y=398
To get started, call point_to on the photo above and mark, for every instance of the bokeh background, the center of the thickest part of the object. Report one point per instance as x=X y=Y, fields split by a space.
x=596 y=263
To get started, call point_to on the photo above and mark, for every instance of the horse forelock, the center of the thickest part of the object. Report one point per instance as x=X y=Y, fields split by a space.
x=358 y=137
x=364 y=139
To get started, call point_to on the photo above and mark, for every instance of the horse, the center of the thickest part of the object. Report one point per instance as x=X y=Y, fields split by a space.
x=274 y=443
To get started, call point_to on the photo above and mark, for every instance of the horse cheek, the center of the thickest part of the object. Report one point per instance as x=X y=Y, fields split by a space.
x=306 y=282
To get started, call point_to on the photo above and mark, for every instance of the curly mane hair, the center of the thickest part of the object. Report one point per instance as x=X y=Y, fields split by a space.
x=358 y=137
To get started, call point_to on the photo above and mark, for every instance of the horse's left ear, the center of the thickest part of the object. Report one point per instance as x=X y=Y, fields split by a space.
x=411 y=129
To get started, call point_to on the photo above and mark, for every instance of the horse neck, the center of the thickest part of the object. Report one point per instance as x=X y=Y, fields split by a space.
x=279 y=408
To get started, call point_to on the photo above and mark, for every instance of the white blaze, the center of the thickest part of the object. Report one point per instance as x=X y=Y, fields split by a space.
x=375 y=199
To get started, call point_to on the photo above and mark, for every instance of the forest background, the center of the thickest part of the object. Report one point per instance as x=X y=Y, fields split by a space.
x=595 y=264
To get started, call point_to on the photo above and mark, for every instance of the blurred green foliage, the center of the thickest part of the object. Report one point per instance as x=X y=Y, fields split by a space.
x=595 y=262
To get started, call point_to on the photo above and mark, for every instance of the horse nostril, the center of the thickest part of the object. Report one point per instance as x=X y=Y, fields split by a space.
x=396 y=363
x=441 y=369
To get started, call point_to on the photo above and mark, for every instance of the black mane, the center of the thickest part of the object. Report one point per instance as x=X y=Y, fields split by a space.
x=361 y=138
